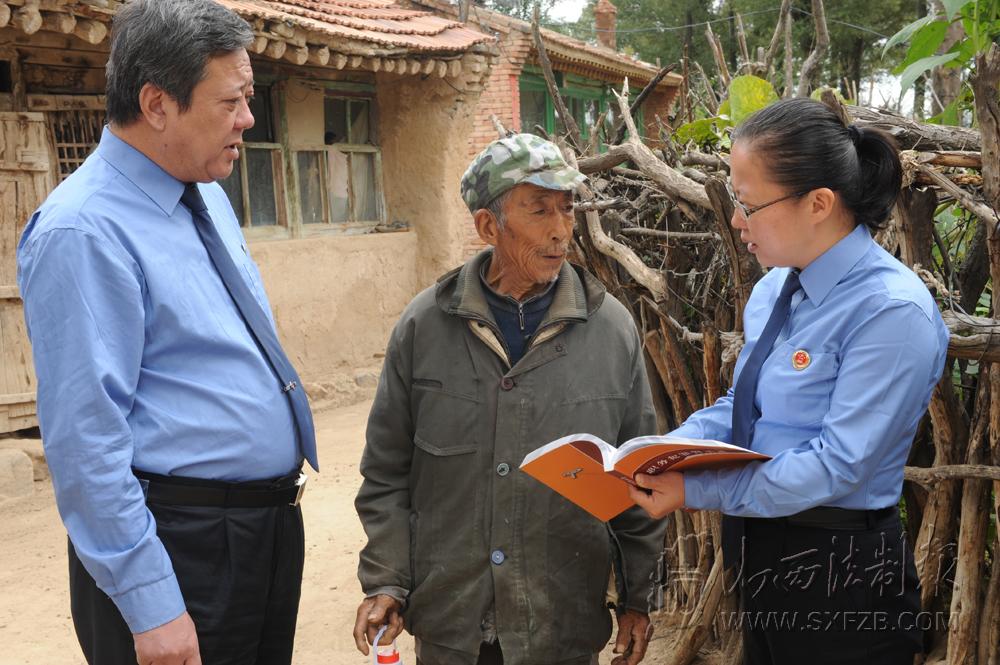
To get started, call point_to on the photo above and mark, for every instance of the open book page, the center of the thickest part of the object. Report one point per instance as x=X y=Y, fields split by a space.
x=595 y=476
x=591 y=445
x=655 y=454
x=574 y=466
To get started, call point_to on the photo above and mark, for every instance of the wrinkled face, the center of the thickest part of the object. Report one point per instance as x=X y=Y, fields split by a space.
x=776 y=235
x=203 y=141
x=539 y=229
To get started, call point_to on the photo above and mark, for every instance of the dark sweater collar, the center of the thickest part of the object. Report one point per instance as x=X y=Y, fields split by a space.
x=538 y=301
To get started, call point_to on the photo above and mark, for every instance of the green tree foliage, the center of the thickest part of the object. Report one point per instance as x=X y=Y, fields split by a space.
x=654 y=29
x=981 y=23
x=659 y=29
x=855 y=27
x=522 y=9
x=747 y=95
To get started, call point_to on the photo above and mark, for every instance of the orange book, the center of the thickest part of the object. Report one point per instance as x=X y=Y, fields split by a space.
x=595 y=475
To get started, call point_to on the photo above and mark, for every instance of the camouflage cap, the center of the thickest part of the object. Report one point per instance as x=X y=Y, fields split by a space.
x=511 y=161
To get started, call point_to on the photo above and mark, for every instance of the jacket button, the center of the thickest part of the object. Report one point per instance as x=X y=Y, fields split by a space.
x=497 y=557
x=507 y=383
x=559 y=348
x=503 y=469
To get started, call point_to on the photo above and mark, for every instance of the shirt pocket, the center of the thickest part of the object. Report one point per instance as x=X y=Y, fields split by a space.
x=445 y=417
x=793 y=396
x=255 y=282
x=597 y=413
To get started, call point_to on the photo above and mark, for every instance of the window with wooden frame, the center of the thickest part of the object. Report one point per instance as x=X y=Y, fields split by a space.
x=340 y=182
x=585 y=99
x=75 y=133
x=256 y=185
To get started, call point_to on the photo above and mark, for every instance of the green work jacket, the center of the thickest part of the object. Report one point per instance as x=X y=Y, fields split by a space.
x=453 y=525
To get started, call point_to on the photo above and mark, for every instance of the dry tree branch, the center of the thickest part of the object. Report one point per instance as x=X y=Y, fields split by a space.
x=834 y=105
x=599 y=206
x=666 y=178
x=789 y=71
x=497 y=125
x=772 y=49
x=713 y=98
x=720 y=58
x=811 y=66
x=961 y=159
x=696 y=158
x=550 y=82
x=637 y=102
x=741 y=38
x=928 y=476
x=680 y=235
x=981 y=210
x=685 y=333
x=653 y=280
x=913 y=135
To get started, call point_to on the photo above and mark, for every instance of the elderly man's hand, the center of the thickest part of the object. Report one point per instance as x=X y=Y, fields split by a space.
x=634 y=631
x=665 y=493
x=372 y=614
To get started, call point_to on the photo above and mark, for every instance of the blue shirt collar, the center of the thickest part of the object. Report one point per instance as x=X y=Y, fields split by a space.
x=161 y=187
x=825 y=272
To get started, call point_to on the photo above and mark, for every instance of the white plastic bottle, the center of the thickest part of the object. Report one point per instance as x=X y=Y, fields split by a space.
x=386 y=654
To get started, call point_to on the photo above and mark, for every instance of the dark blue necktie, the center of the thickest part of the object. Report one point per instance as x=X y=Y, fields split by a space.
x=745 y=412
x=256 y=319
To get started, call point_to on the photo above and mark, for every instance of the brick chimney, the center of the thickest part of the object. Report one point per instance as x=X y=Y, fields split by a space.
x=605 y=22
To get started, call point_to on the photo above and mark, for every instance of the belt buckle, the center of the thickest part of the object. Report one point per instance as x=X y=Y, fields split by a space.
x=300 y=483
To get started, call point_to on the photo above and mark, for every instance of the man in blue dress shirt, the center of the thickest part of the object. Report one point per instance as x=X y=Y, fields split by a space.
x=173 y=432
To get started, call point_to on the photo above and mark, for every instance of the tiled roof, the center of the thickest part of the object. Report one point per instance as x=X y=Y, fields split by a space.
x=368 y=27
x=380 y=22
x=565 y=48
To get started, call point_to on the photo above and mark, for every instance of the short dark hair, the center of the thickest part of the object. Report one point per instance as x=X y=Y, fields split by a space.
x=805 y=145
x=166 y=43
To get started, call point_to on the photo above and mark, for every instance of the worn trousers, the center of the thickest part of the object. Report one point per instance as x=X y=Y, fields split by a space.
x=240 y=573
x=828 y=596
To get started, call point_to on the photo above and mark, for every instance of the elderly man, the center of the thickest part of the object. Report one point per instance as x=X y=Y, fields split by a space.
x=173 y=423
x=514 y=349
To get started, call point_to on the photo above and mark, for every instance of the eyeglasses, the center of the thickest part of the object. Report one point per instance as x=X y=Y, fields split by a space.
x=746 y=212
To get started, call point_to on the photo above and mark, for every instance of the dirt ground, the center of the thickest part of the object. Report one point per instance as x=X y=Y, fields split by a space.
x=35 y=625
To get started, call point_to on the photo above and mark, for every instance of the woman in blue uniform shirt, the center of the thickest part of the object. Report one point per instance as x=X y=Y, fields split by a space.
x=844 y=345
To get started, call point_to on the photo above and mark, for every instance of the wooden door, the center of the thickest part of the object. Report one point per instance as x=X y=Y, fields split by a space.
x=25 y=180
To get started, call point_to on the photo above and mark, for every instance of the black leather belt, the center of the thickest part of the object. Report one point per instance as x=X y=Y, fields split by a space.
x=826 y=517
x=180 y=491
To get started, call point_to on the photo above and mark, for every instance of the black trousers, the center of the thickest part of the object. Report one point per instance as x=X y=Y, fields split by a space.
x=240 y=572
x=823 y=595
x=491 y=654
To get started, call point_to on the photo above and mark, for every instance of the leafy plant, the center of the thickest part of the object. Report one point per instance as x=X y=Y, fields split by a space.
x=747 y=94
x=981 y=21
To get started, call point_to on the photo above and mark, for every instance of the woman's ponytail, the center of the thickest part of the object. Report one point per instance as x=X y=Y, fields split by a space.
x=880 y=176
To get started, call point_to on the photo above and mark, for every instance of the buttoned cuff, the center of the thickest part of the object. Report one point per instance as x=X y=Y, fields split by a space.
x=395 y=592
x=702 y=491
x=152 y=605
